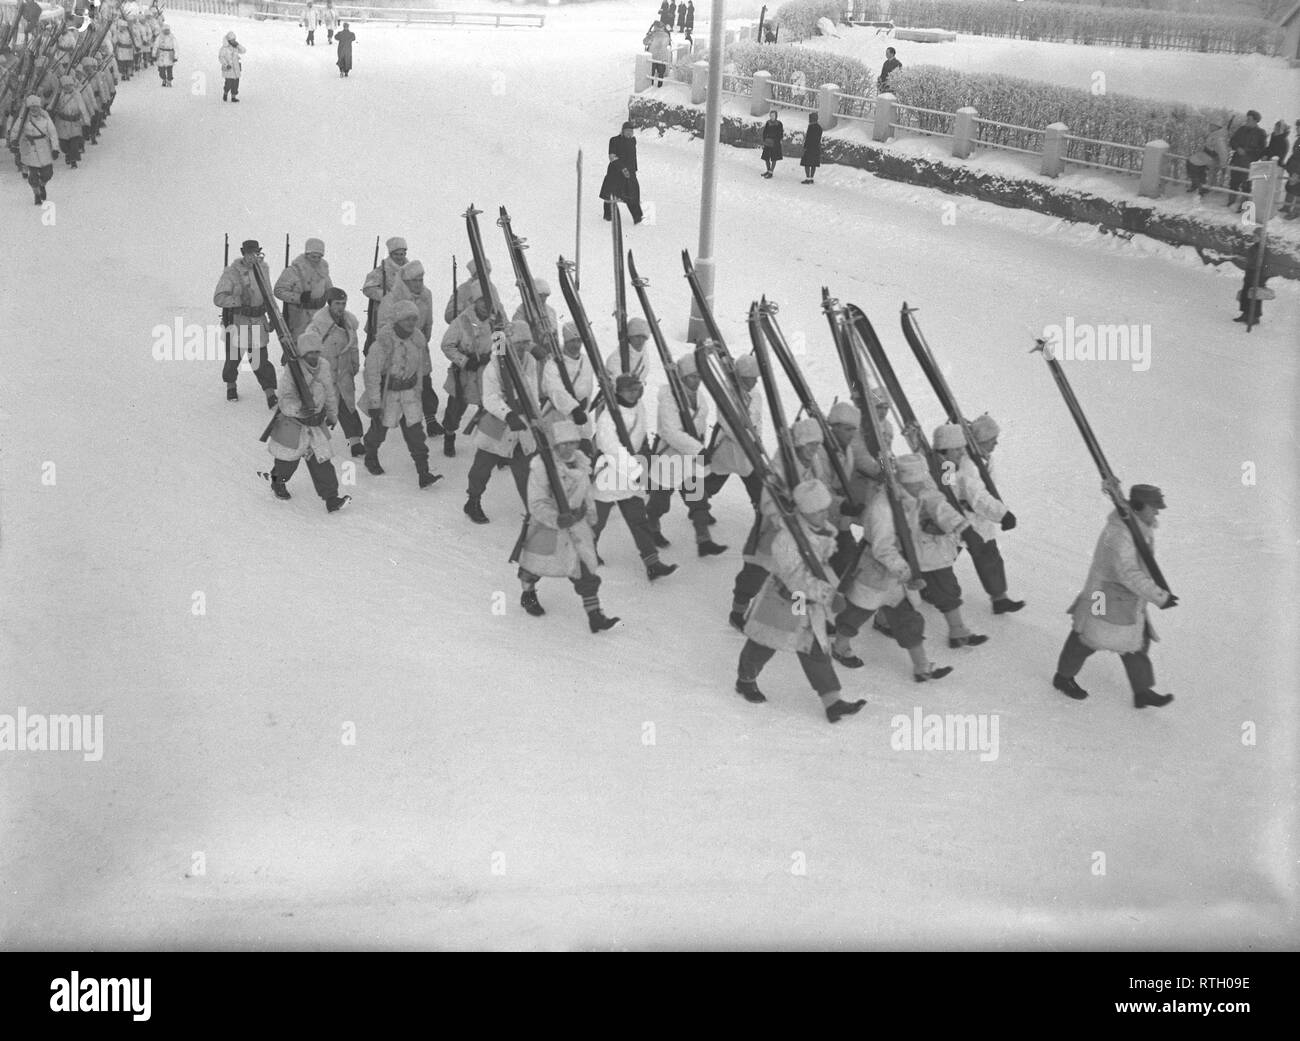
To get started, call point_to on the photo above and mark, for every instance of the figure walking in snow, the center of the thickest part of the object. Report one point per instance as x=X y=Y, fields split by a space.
x=38 y=146
x=620 y=178
x=773 y=134
x=243 y=316
x=231 y=67
x=331 y=19
x=345 y=40
x=812 y=149
x=164 y=52
x=309 y=23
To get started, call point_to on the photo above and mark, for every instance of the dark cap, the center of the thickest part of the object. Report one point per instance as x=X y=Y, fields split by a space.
x=335 y=293
x=629 y=125
x=250 y=246
x=1146 y=495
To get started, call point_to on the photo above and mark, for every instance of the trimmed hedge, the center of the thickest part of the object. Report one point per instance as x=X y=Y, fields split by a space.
x=1009 y=99
x=798 y=18
x=783 y=61
x=1070 y=23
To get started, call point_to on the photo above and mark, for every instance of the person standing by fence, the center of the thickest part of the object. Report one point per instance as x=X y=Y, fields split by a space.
x=346 y=37
x=1204 y=165
x=1248 y=144
x=892 y=65
x=812 y=148
x=773 y=134
x=659 y=43
x=681 y=19
x=690 y=20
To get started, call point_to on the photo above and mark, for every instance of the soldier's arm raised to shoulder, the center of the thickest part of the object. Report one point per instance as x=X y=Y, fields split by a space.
x=789 y=567
x=1129 y=569
x=670 y=425
x=541 y=503
x=288 y=287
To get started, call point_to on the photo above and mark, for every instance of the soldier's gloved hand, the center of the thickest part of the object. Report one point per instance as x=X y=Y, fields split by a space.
x=838 y=602
x=1008 y=521
x=515 y=421
x=471 y=363
x=578 y=415
x=971 y=537
x=376 y=415
x=566 y=519
x=305 y=299
x=850 y=509
x=55 y=153
x=1171 y=602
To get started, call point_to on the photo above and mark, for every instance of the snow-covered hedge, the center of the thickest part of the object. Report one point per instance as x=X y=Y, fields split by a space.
x=1030 y=103
x=798 y=18
x=1072 y=23
x=784 y=61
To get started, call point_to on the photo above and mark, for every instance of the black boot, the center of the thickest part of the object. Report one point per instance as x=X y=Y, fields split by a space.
x=970 y=640
x=1003 y=605
x=231 y=393
x=658 y=569
x=709 y=548
x=1150 y=699
x=433 y=428
x=737 y=620
x=748 y=689
x=598 y=622
x=935 y=672
x=849 y=660
x=474 y=511
x=836 y=711
x=427 y=479
x=449 y=445
x=337 y=503
x=271 y=399
x=1067 y=686
x=358 y=450
x=660 y=541
x=372 y=464
x=528 y=601
x=280 y=488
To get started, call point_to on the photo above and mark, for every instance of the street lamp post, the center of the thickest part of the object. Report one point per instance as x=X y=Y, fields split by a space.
x=709 y=185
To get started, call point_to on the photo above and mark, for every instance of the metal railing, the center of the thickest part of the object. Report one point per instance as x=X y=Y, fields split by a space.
x=280 y=10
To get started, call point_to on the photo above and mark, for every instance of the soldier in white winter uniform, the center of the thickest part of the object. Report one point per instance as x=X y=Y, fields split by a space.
x=165 y=54
x=638 y=334
x=676 y=460
x=619 y=475
x=1110 y=613
x=777 y=624
x=243 y=316
x=394 y=367
x=301 y=428
x=725 y=457
x=562 y=544
x=309 y=23
x=410 y=286
x=467 y=343
x=336 y=327
x=231 y=67
x=303 y=285
x=379 y=281
x=502 y=438
x=467 y=292
x=543 y=293
x=557 y=402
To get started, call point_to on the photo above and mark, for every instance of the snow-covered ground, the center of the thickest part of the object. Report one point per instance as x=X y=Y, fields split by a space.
x=1236 y=81
x=516 y=782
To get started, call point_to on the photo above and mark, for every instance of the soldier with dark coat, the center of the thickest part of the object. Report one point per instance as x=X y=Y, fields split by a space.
x=1110 y=613
x=346 y=38
x=812 y=149
x=243 y=315
x=620 y=179
x=395 y=365
x=562 y=544
x=777 y=623
x=301 y=428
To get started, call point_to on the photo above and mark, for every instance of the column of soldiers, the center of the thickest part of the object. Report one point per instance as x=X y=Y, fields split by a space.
x=71 y=101
x=777 y=602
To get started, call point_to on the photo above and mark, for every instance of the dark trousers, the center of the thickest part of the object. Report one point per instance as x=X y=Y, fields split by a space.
x=412 y=432
x=633 y=511
x=988 y=565
x=124 y=69
x=311 y=37
x=658 y=502
x=942 y=590
x=815 y=664
x=485 y=462
x=349 y=420
x=71 y=147
x=905 y=623
x=633 y=200
x=749 y=580
x=753 y=487
x=1238 y=178
x=657 y=70
x=429 y=399
x=1137 y=664
x=257 y=358
x=38 y=177
x=231 y=88
x=323 y=477
x=454 y=414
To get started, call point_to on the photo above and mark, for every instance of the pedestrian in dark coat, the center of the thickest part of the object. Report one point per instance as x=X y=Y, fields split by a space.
x=1252 y=294
x=773 y=132
x=690 y=19
x=681 y=17
x=892 y=64
x=1278 y=142
x=812 y=148
x=1248 y=143
x=1291 y=210
x=620 y=179
x=345 y=38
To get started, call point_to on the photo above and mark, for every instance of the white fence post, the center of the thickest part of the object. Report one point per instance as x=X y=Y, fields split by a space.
x=699 y=82
x=641 y=81
x=1153 y=165
x=1054 y=149
x=760 y=100
x=828 y=105
x=963 y=132
x=880 y=128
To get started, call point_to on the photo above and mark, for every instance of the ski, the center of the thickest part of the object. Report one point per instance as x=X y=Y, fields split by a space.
x=713 y=374
x=284 y=307
x=855 y=373
x=767 y=318
x=1109 y=481
x=620 y=289
x=510 y=367
x=784 y=441
x=925 y=358
x=372 y=309
x=711 y=326
x=670 y=366
x=293 y=361
x=579 y=315
x=861 y=331
x=532 y=304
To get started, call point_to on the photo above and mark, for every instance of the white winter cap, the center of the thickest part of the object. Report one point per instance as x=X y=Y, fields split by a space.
x=747 y=366
x=686 y=365
x=473 y=267
x=878 y=397
x=811 y=496
x=985 y=428
x=843 y=412
x=542 y=286
x=412 y=270
x=949 y=435
x=314 y=246
x=638 y=327
x=565 y=430
x=520 y=333
x=912 y=469
x=310 y=341
x=396 y=242
x=404 y=310
x=807 y=432
x=569 y=333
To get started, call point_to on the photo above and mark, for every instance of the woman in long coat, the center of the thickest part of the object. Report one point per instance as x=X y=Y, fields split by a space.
x=773 y=133
x=345 y=38
x=812 y=149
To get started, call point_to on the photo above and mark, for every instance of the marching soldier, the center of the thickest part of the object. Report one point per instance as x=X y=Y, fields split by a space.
x=87 y=78
x=677 y=461
x=1110 y=614
x=336 y=327
x=562 y=544
x=878 y=585
x=299 y=430
x=165 y=53
x=726 y=457
x=502 y=438
x=410 y=286
x=243 y=314
x=467 y=292
x=303 y=285
x=467 y=343
x=557 y=402
x=986 y=514
x=939 y=528
x=619 y=475
x=638 y=332
x=38 y=146
x=775 y=624
x=124 y=49
x=70 y=116
x=394 y=367
x=543 y=293
x=386 y=275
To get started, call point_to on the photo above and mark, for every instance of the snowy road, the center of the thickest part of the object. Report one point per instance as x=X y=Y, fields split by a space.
x=502 y=790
